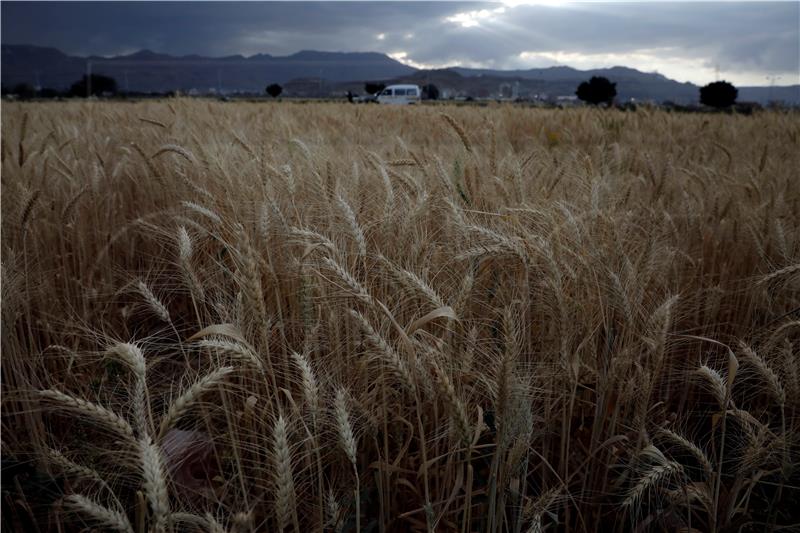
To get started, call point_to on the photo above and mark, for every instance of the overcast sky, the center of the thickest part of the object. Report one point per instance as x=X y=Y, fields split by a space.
x=745 y=42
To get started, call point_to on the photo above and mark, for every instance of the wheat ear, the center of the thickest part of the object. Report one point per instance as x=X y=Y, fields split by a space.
x=355 y=228
x=458 y=413
x=348 y=442
x=660 y=470
x=385 y=351
x=132 y=356
x=185 y=249
x=345 y=430
x=73 y=468
x=185 y=401
x=156 y=305
x=786 y=271
x=349 y=281
x=155 y=484
x=104 y=516
x=715 y=382
x=175 y=149
x=312 y=236
x=285 y=510
x=310 y=386
x=694 y=450
x=414 y=283
x=100 y=414
x=234 y=350
x=767 y=374
x=28 y=208
x=459 y=131
x=206 y=212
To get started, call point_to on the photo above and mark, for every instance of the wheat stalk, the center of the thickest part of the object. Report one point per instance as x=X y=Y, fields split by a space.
x=70 y=205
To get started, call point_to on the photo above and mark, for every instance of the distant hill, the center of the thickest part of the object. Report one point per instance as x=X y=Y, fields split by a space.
x=150 y=71
x=631 y=83
x=314 y=73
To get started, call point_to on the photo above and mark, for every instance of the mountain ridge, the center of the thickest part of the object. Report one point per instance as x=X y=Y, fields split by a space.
x=324 y=73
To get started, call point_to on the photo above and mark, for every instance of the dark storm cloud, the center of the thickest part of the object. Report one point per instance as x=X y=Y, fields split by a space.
x=207 y=28
x=687 y=40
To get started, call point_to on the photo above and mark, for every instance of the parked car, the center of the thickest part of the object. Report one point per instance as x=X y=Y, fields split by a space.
x=400 y=94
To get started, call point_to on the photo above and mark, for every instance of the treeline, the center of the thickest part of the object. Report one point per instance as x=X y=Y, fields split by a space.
x=92 y=85
x=598 y=91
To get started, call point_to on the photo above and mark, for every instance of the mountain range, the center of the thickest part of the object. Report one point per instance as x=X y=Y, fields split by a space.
x=314 y=73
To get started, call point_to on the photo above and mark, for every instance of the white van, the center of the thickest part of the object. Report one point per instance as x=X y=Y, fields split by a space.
x=400 y=94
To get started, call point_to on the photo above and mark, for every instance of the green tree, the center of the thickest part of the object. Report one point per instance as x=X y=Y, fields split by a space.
x=597 y=90
x=24 y=91
x=374 y=88
x=430 y=92
x=719 y=94
x=97 y=85
x=274 y=90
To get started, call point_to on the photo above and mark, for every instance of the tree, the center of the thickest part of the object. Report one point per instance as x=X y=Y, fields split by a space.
x=274 y=90
x=430 y=92
x=597 y=90
x=719 y=94
x=98 y=85
x=374 y=88
x=48 y=92
x=24 y=91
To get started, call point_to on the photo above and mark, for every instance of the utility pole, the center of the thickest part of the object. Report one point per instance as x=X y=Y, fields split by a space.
x=772 y=80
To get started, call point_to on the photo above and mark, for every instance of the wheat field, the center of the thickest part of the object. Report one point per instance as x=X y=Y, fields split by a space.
x=325 y=317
